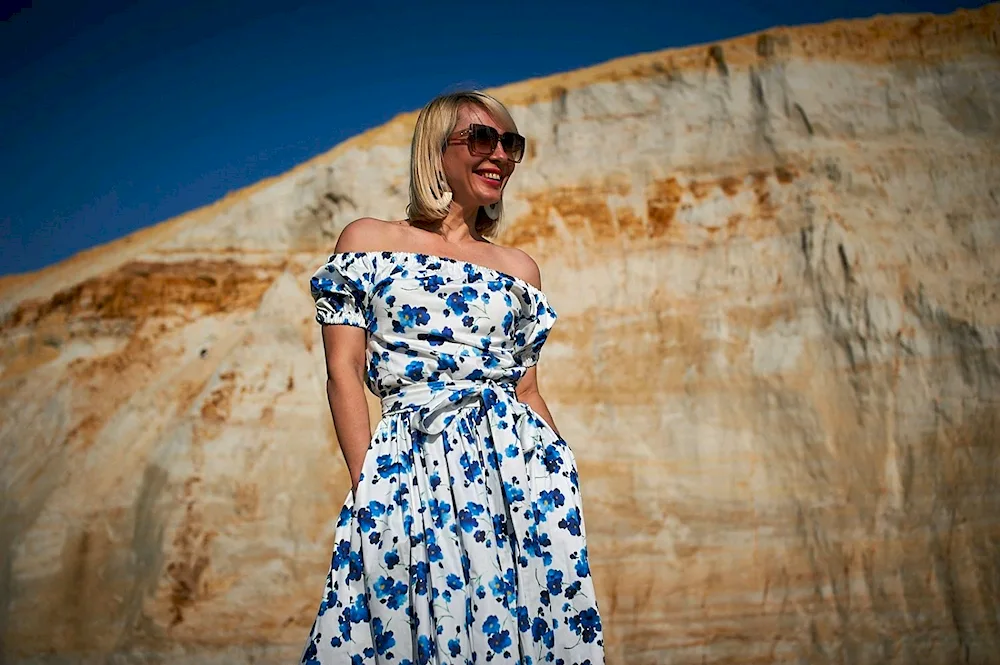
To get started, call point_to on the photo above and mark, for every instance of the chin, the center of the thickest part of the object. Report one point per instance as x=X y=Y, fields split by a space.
x=489 y=198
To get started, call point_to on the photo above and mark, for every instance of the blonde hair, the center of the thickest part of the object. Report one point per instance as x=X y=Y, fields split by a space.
x=430 y=197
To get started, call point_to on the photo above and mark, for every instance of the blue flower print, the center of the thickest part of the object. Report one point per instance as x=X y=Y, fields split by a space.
x=549 y=501
x=399 y=497
x=500 y=640
x=425 y=650
x=440 y=511
x=354 y=566
x=553 y=579
x=309 y=656
x=341 y=555
x=540 y=631
x=345 y=516
x=384 y=639
x=431 y=283
x=418 y=577
x=408 y=317
x=388 y=467
x=389 y=591
x=553 y=460
x=583 y=565
x=456 y=303
x=514 y=494
x=357 y=612
x=472 y=467
x=500 y=527
x=508 y=322
x=467 y=520
x=491 y=625
x=473 y=273
x=365 y=520
x=447 y=363
x=492 y=401
x=331 y=600
x=571 y=522
x=434 y=552
x=587 y=624
x=415 y=370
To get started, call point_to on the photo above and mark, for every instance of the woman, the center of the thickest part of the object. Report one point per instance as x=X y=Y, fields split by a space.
x=462 y=540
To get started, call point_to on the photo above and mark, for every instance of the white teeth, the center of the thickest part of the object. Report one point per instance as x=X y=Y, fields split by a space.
x=491 y=176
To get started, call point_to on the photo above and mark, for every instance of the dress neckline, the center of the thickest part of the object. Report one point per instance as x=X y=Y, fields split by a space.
x=448 y=259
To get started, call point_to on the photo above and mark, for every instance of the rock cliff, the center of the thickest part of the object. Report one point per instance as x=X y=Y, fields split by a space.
x=776 y=359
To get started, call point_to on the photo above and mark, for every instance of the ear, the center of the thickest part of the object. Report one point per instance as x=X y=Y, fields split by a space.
x=443 y=195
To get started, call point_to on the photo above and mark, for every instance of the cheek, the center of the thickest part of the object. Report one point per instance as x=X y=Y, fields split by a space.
x=454 y=169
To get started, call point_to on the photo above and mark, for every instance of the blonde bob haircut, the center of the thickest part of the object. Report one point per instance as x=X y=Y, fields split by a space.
x=430 y=196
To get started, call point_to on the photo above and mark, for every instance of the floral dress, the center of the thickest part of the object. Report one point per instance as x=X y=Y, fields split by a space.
x=465 y=540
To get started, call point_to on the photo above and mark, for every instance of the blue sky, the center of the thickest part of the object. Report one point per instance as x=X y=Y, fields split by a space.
x=118 y=115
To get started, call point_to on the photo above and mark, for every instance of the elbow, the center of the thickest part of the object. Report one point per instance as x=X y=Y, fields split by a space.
x=344 y=373
x=528 y=393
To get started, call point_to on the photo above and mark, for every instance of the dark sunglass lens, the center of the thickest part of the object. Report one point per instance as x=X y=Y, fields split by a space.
x=484 y=139
x=513 y=145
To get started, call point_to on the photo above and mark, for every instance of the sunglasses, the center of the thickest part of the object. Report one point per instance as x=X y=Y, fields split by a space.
x=483 y=139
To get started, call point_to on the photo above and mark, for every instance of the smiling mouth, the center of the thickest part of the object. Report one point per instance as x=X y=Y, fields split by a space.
x=491 y=178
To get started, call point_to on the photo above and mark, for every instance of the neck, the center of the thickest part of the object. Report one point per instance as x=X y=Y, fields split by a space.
x=459 y=226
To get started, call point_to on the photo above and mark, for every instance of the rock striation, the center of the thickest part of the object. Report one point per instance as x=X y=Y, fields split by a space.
x=775 y=264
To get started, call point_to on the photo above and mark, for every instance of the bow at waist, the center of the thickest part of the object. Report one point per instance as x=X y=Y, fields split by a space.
x=436 y=402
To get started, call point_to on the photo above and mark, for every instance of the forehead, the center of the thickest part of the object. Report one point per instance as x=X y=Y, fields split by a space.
x=473 y=113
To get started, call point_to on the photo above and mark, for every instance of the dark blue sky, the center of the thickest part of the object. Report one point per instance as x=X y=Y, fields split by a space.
x=117 y=115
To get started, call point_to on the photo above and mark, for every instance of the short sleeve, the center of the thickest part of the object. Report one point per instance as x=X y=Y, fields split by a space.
x=534 y=329
x=340 y=290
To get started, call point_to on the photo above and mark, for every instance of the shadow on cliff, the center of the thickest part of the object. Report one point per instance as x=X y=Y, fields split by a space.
x=912 y=573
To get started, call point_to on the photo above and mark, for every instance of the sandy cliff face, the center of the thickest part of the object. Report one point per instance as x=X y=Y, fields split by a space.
x=775 y=264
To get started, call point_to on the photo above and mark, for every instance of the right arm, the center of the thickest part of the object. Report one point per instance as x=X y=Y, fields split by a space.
x=345 y=390
x=344 y=347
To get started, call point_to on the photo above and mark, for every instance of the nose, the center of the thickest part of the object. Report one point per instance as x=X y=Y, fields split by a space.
x=500 y=153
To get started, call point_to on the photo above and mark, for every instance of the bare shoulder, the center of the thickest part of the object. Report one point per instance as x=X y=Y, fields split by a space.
x=520 y=264
x=367 y=234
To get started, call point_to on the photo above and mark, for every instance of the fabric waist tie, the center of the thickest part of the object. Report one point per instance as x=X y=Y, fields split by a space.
x=436 y=402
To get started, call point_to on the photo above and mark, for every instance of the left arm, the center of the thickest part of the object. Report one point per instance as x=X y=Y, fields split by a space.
x=527 y=392
x=527 y=388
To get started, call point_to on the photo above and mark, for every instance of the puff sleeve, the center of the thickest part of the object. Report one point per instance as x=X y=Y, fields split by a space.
x=340 y=290
x=534 y=329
